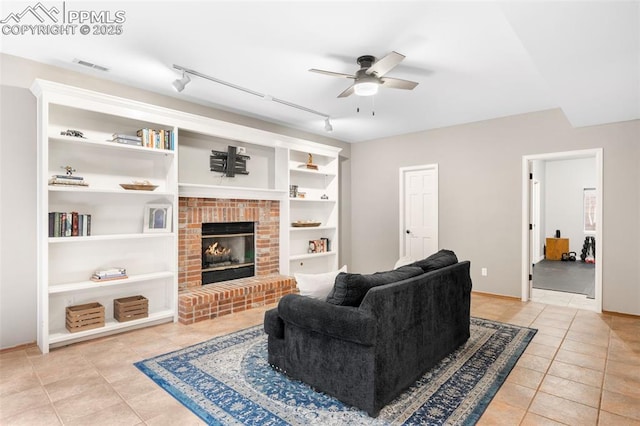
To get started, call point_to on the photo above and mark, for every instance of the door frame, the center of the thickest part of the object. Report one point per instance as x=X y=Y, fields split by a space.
x=596 y=153
x=402 y=173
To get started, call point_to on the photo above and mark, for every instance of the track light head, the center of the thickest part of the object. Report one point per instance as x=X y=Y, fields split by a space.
x=179 y=84
x=327 y=125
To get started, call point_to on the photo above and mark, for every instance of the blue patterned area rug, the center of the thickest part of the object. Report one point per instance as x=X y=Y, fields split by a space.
x=227 y=381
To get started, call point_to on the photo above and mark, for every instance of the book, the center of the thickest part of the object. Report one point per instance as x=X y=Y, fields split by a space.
x=119 y=277
x=126 y=137
x=71 y=177
x=74 y=224
x=111 y=270
x=128 y=142
x=157 y=139
x=72 y=182
x=69 y=224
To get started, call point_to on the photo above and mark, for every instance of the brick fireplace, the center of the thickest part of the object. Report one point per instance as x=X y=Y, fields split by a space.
x=198 y=302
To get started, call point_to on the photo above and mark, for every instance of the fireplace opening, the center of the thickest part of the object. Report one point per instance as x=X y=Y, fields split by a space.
x=228 y=251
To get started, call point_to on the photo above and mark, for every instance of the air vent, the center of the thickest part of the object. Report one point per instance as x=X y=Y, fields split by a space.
x=90 y=65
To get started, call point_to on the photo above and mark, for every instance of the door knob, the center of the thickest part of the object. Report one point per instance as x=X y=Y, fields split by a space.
x=408 y=232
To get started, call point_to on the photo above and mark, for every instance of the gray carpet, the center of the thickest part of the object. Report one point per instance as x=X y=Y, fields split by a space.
x=570 y=277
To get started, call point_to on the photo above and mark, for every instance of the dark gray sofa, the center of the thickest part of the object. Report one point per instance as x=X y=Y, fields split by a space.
x=367 y=355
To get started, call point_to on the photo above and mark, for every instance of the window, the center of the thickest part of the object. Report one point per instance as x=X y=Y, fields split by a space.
x=589 y=210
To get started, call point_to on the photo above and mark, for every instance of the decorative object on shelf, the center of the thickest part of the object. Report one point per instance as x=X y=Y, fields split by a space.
x=305 y=224
x=293 y=191
x=84 y=317
x=324 y=197
x=114 y=273
x=130 y=308
x=69 y=224
x=73 y=133
x=139 y=186
x=127 y=139
x=68 y=178
x=157 y=218
x=230 y=163
x=319 y=246
x=310 y=164
x=301 y=194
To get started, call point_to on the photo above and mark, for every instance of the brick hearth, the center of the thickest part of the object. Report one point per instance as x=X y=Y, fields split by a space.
x=197 y=302
x=215 y=300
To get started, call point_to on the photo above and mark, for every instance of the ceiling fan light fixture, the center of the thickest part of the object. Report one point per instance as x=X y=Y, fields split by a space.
x=366 y=88
x=180 y=83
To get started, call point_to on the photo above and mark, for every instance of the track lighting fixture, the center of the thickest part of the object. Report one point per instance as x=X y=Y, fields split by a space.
x=327 y=125
x=179 y=84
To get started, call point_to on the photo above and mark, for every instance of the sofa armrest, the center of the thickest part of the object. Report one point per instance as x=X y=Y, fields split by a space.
x=342 y=322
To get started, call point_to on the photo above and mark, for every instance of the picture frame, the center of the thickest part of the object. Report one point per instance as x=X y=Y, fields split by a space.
x=157 y=218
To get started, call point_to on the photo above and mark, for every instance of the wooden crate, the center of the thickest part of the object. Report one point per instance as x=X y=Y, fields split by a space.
x=130 y=308
x=84 y=317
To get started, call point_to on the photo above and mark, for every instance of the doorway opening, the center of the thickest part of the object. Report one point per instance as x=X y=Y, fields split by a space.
x=553 y=249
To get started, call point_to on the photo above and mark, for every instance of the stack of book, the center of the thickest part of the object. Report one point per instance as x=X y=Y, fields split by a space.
x=109 y=274
x=319 y=246
x=127 y=139
x=67 y=180
x=69 y=224
x=159 y=139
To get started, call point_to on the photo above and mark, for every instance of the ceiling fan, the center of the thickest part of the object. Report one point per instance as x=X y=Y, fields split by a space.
x=371 y=75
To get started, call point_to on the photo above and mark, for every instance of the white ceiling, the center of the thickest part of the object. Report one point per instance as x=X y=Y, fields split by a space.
x=474 y=60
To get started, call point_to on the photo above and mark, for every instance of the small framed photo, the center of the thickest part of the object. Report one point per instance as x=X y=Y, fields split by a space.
x=157 y=218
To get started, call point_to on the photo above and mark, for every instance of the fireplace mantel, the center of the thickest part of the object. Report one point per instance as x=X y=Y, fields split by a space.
x=230 y=192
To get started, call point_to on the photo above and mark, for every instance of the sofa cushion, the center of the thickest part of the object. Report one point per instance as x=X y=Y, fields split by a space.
x=437 y=260
x=317 y=286
x=350 y=289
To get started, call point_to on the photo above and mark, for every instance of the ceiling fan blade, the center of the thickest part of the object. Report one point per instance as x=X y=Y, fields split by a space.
x=386 y=64
x=347 y=92
x=332 y=74
x=397 y=83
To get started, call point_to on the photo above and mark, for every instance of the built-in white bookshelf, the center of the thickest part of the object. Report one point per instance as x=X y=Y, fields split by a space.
x=117 y=236
x=313 y=198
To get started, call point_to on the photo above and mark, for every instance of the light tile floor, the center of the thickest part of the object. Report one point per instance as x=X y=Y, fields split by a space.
x=582 y=368
x=560 y=298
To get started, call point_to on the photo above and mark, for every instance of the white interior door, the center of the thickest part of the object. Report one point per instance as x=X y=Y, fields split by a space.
x=418 y=211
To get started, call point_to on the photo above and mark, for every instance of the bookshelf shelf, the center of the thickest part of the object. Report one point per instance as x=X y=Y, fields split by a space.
x=99 y=238
x=312 y=229
x=311 y=255
x=91 y=285
x=106 y=144
x=59 y=336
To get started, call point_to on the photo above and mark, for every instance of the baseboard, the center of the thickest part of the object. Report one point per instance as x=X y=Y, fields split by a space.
x=19 y=347
x=621 y=314
x=497 y=296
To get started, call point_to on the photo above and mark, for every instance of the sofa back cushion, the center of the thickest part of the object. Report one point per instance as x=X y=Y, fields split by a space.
x=350 y=289
x=437 y=260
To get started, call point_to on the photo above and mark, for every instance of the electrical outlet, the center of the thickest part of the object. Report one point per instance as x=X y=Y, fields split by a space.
x=484 y=272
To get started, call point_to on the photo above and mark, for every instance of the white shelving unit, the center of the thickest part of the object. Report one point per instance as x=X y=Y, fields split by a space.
x=117 y=238
x=320 y=204
x=64 y=264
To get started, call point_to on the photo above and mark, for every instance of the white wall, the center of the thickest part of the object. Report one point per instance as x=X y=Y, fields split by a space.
x=481 y=196
x=565 y=184
x=18 y=224
x=18 y=184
